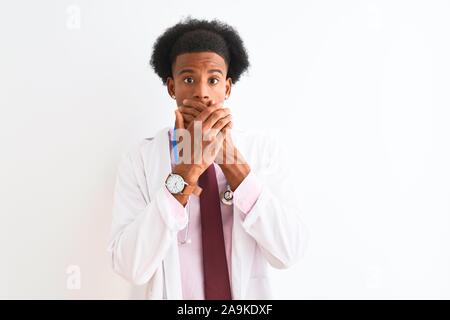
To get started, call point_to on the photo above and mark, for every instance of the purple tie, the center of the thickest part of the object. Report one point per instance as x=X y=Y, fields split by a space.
x=215 y=268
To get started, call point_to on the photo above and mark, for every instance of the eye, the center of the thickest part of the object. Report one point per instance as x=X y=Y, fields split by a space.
x=214 y=80
x=189 y=80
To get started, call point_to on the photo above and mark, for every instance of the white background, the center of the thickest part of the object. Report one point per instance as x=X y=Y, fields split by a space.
x=361 y=88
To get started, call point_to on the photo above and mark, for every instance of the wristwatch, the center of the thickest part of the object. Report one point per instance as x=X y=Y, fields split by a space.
x=176 y=185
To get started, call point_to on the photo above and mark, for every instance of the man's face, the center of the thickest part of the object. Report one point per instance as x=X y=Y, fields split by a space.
x=200 y=76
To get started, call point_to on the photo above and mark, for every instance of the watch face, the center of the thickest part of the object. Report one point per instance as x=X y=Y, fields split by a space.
x=175 y=183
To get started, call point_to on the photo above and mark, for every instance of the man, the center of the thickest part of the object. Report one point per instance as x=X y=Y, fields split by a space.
x=201 y=210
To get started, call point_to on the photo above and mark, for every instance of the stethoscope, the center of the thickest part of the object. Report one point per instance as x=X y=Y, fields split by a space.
x=226 y=196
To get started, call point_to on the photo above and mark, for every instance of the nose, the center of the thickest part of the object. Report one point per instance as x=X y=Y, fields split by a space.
x=201 y=92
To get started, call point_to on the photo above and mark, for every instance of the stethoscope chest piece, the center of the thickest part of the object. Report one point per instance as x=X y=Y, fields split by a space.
x=227 y=196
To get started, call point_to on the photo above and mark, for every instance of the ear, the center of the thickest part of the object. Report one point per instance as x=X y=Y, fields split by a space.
x=228 y=86
x=170 y=86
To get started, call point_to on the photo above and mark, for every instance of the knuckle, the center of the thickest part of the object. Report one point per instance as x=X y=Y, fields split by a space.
x=220 y=111
x=225 y=112
x=214 y=117
x=226 y=120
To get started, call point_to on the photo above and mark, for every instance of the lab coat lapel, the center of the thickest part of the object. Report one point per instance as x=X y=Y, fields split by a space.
x=157 y=170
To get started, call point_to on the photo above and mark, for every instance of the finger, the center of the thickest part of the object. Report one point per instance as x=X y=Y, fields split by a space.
x=188 y=118
x=222 y=134
x=206 y=113
x=200 y=106
x=222 y=122
x=214 y=103
x=179 y=122
x=189 y=110
x=219 y=139
x=215 y=116
x=211 y=133
x=228 y=155
x=209 y=106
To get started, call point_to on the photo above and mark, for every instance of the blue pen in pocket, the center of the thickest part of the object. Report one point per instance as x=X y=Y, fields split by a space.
x=174 y=144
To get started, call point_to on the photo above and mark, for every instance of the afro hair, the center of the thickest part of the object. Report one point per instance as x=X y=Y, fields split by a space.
x=192 y=35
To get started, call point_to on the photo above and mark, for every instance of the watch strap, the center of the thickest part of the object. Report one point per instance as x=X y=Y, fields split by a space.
x=191 y=189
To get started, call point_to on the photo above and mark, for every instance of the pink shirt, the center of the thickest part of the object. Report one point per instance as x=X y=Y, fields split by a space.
x=191 y=263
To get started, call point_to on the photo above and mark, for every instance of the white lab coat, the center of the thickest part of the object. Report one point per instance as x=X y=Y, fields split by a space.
x=143 y=244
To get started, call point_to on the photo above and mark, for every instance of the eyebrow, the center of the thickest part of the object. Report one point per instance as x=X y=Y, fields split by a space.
x=192 y=71
x=215 y=70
